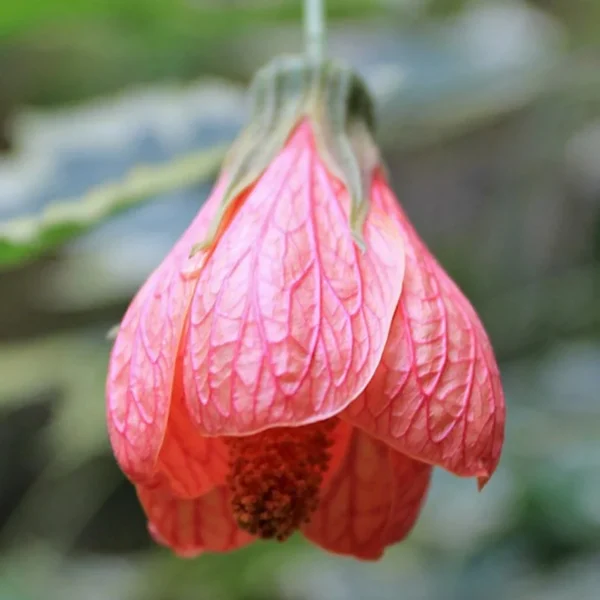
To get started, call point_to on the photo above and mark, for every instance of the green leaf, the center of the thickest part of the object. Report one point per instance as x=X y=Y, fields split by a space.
x=153 y=18
x=25 y=238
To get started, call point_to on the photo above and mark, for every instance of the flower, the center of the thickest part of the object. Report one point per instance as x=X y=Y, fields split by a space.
x=300 y=361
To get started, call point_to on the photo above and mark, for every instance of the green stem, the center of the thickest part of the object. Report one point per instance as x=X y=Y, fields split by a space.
x=314 y=29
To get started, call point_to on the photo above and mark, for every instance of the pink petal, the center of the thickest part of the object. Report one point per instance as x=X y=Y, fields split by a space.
x=371 y=502
x=289 y=319
x=341 y=437
x=189 y=464
x=437 y=394
x=142 y=363
x=191 y=527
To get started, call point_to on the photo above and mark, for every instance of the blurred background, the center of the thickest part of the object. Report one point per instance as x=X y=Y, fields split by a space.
x=489 y=116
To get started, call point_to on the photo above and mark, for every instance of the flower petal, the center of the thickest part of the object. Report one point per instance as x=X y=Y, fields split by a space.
x=143 y=358
x=191 y=527
x=341 y=437
x=371 y=502
x=188 y=463
x=290 y=318
x=436 y=395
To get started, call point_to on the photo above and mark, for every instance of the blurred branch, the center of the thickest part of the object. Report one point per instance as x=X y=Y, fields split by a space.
x=27 y=237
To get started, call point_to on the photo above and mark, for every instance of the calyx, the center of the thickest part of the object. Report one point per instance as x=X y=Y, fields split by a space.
x=335 y=101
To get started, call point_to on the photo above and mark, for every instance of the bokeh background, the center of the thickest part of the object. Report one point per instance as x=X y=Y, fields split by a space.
x=489 y=116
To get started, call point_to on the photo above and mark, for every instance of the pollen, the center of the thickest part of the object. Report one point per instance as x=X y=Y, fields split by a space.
x=275 y=478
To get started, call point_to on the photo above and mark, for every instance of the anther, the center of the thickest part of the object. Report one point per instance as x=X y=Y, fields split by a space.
x=275 y=477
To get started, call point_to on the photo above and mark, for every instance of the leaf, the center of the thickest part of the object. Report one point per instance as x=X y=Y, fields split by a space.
x=153 y=18
x=25 y=238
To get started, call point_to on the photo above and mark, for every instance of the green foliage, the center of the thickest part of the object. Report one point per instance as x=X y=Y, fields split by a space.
x=151 y=17
x=27 y=237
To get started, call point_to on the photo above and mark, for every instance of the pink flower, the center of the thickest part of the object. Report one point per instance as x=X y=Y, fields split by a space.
x=283 y=378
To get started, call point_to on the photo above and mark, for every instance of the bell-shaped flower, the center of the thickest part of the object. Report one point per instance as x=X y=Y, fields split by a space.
x=300 y=361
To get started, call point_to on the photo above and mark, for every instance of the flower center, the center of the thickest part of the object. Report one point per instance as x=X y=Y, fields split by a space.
x=275 y=477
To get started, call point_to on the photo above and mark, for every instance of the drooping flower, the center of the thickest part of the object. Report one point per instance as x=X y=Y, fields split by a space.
x=300 y=361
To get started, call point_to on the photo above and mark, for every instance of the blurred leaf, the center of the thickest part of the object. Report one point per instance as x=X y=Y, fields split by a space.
x=8 y=591
x=27 y=368
x=150 y=16
x=247 y=573
x=68 y=49
x=75 y=366
x=27 y=237
x=560 y=304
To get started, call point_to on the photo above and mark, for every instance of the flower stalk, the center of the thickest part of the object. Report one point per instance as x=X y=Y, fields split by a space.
x=314 y=29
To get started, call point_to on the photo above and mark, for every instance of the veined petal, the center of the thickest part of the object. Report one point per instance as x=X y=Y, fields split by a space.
x=189 y=464
x=289 y=319
x=341 y=438
x=191 y=527
x=437 y=394
x=372 y=501
x=143 y=358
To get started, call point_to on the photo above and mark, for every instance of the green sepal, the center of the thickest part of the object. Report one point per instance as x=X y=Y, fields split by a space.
x=339 y=107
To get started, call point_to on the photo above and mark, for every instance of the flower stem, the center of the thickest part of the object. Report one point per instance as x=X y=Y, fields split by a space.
x=314 y=29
